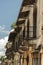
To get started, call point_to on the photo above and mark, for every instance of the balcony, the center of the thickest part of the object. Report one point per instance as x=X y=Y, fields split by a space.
x=18 y=29
x=23 y=48
x=9 y=45
x=27 y=8
x=28 y=2
x=9 y=51
x=13 y=34
x=20 y=22
x=23 y=14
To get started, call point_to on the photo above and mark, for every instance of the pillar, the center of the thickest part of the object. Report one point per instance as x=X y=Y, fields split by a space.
x=39 y=17
x=41 y=56
x=42 y=59
x=30 y=56
x=16 y=58
x=24 y=58
x=21 y=59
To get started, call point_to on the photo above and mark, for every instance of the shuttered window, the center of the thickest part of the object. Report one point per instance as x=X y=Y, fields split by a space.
x=34 y=22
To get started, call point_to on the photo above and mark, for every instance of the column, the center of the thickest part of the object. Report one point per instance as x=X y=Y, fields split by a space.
x=41 y=56
x=30 y=56
x=24 y=58
x=39 y=17
x=21 y=59
x=42 y=59
x=39 y=59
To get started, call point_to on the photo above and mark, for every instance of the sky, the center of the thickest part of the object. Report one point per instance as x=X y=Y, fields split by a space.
x=9 y=10
x=8 y=14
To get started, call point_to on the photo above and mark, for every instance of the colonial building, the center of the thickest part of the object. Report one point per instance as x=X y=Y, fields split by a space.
x=25 y=43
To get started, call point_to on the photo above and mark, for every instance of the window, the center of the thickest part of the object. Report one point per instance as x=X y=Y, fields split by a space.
x=30 y=31
x=34 y=21
x=35 y=61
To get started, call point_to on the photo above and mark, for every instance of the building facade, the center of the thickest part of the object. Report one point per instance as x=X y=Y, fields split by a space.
x=25 y=44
